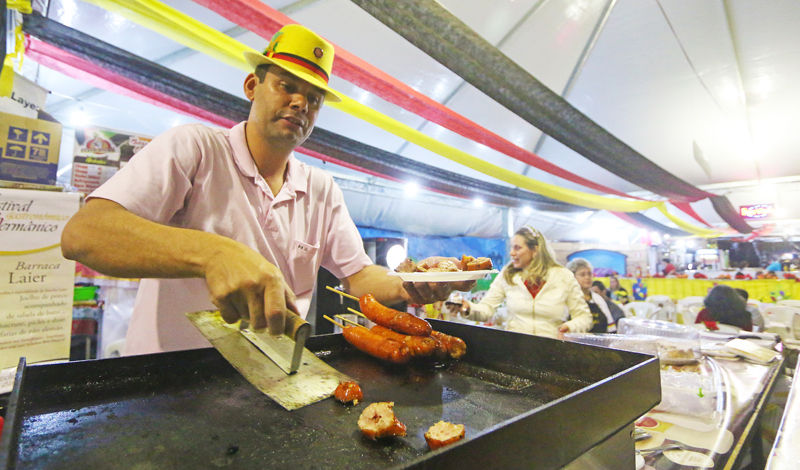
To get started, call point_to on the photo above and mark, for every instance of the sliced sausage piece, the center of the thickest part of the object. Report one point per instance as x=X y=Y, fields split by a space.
x=348 y=392
x=378 y=421
x=444 y=433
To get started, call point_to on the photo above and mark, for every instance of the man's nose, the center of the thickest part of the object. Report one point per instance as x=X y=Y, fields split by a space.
x=299 y=102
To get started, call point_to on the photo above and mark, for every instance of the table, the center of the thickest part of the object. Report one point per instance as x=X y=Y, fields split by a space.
x=713 y=430
x=786 y=450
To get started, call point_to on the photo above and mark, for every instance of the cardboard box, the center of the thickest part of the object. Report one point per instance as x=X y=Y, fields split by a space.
x=28 y=149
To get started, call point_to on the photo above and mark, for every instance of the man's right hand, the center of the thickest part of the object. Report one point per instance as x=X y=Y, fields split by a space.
x=244 y=285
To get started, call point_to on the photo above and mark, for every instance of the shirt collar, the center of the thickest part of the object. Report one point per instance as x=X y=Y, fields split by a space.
x=296 y=181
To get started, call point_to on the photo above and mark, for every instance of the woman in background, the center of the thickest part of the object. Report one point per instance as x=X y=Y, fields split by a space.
x=724 y=305
x=538 y=292
x=602 y=321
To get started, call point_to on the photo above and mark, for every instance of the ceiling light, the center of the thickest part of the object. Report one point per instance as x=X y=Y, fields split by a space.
x=395 y=255
x=79 y=118
x=526 y=210
x=412 y=189
x=477 y=202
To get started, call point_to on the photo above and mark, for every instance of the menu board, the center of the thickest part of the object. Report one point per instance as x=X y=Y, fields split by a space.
x=99 y=153
x=36 y=282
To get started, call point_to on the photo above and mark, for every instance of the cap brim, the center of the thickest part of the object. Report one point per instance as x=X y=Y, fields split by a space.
x=255 y=59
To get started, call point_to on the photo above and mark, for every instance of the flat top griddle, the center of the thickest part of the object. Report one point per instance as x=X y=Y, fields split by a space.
x=191 y=409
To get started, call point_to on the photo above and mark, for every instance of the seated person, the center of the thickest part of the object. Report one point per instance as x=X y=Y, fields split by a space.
x=616 y=310
x=724 y=305
x=602 y=321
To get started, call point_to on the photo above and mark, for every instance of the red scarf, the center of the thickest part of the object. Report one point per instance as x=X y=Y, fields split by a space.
x=534 y=289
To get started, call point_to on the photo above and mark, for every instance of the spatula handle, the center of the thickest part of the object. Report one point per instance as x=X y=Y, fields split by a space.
x=295 y=325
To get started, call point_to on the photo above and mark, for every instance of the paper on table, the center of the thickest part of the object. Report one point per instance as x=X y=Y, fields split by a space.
x=750 y=350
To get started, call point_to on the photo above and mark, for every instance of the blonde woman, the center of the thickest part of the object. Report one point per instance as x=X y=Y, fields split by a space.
x=538 y=292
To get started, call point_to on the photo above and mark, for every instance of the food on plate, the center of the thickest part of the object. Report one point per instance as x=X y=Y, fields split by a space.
x=444 y=433
x=468 y=263
x=376 y=345
x=396 y=320
x=444 y=264
x=378 y=421
x=420 y=346
x=348 y=392
x=674 y=353
x=455 y=346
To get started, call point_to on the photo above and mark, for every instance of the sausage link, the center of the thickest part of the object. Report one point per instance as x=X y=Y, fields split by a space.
x=401 y=322
x=456 y=347
x=420 y=346
x=376 y=345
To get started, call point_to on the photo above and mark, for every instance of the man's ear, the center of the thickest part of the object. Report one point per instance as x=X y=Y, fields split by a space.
x=249 y=86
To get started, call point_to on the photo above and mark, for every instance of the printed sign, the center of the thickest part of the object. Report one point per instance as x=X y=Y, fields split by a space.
x=99 y=154
x=36 y=282
x=28 y=149
x=757 y=211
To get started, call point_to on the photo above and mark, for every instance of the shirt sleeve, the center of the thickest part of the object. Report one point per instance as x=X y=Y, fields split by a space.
x=496 y=294
x=344 y=253
x=156 y=181
x=581 y=320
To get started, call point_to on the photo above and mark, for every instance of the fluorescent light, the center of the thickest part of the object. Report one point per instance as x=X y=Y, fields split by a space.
x=79 y=118
x=477 y=202
x=412 y=189
x=526 y=210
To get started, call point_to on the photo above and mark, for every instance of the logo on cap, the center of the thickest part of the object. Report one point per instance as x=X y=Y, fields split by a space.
x=318 y=52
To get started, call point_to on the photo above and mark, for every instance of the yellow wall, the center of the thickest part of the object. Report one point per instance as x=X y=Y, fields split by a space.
x=758 y=289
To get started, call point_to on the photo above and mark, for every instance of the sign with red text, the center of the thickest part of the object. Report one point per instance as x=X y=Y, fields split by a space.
x=36 y=282
x=757 y=211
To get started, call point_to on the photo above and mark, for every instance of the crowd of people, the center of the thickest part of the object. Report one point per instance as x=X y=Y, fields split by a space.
x=544 y=298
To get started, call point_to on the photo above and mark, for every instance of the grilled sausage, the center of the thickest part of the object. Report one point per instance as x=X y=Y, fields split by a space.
x=456 y=347
x=376 y=345
x=401 y=322
x=420 y=346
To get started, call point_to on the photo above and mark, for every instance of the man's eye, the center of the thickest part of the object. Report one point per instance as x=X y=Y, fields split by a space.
x=315 y=99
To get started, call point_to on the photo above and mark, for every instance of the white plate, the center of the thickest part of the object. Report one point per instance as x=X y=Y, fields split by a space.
x=453 y=276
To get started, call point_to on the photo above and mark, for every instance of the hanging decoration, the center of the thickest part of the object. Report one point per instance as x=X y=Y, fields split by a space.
x=159 y=19
x=430 y=27
x=85 y=58
x=7 y=72
x=266 y=21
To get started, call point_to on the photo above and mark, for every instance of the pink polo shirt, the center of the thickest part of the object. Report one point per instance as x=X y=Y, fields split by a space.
x=201 y=178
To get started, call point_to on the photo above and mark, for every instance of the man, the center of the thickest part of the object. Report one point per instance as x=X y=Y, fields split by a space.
x=231 y=216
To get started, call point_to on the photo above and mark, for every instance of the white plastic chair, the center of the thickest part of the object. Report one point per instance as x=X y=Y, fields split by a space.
x=639 y=309
x=689 y=314
x=789 y=303
x=779 y=319
x=686 y=302
x=665 y=307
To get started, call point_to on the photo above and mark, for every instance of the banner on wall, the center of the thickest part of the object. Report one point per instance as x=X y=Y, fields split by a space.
x=36 y=282
x=99 y=153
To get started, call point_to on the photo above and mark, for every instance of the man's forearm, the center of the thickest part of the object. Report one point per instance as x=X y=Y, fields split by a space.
x=106 y=237
x=374 y=280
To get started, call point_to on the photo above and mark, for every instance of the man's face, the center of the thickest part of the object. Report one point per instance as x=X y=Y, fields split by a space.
x=284 y=108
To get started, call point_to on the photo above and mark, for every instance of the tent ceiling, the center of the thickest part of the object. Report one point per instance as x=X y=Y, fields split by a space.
x=703 y=89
